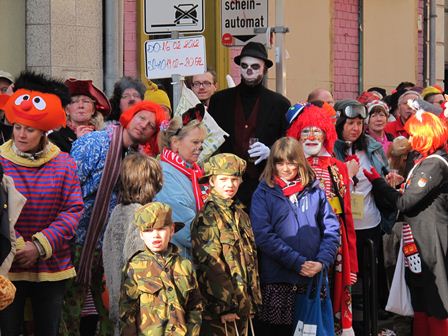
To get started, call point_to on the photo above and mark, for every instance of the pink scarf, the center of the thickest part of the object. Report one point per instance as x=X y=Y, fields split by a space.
x=192 y=173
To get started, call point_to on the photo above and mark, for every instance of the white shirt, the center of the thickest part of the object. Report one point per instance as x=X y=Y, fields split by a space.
x=372 y=216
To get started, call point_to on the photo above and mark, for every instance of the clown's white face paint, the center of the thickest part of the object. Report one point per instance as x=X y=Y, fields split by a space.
x=252 y=70
x=312 y=139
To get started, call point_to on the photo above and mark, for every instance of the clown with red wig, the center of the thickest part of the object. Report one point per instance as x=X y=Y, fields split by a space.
x=423 y=202
x=313 y=127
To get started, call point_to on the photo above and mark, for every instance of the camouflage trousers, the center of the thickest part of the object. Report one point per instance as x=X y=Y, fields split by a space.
x=75 y=296
x=216 y=328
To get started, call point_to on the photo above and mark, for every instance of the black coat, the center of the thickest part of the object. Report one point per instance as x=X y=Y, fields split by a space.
x=424 y=205
x=271 y=124
x=63 y=138
x=5 y=242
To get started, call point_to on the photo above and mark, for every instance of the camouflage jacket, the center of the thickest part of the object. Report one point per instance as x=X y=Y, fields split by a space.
x=160 y=295
x=225 y=256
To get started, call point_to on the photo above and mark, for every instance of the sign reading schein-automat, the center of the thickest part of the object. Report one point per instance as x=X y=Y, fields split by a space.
x=239 y=18
x=166 y=16
x=184 y=56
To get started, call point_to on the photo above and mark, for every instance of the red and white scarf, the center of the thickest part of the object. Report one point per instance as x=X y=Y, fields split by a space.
x=290 y=187
x=194 y=173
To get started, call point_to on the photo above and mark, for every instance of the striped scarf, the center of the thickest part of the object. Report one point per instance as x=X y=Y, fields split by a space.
x=289 y=187
x=100 y=212
x=193 y=174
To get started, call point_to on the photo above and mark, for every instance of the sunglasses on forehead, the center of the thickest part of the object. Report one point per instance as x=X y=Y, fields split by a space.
x=254 y=66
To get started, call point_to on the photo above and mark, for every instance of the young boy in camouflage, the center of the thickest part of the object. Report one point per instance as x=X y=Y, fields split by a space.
x=224 y=252
x=160 y=294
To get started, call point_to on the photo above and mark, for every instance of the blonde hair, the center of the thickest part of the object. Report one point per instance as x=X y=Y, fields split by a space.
x=175 y=129
x=141 y=179
x=287 y=149
x=97 y=120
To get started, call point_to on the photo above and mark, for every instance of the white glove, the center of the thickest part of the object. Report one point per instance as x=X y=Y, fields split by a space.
x=260 y=151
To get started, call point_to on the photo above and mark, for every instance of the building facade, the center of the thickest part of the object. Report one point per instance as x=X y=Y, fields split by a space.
x=345 y=46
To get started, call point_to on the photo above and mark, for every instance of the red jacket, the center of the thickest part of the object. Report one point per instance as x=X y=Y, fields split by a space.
x=347 y=219
x=396 y=128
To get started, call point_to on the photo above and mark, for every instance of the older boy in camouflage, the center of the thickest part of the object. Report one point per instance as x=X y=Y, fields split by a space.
x=160 y=294
x=224 y=252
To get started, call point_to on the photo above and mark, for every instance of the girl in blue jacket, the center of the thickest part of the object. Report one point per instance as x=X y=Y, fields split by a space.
x=295 y=230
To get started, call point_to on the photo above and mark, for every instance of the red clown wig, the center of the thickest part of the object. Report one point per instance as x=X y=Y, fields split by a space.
x=314 y=116
x=150 y=148
x=428 y=132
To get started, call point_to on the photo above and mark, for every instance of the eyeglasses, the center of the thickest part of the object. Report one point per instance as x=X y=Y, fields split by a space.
x=205 y=84
x=131 y=96
x=84 y=101
x=254 y=66
x=355 y=111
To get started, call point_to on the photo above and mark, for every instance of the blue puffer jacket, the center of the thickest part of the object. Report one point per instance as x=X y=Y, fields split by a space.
x=287 y=237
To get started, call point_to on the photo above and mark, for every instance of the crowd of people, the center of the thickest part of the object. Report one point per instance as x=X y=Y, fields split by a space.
x=111 y=225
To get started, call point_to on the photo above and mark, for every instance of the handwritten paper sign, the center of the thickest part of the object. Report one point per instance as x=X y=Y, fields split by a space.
x=183 y=56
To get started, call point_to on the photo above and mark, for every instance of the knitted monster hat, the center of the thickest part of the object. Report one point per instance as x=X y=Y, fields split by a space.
x=38 y=102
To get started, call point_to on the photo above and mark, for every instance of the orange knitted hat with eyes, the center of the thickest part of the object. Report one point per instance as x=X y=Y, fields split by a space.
x=38 y=102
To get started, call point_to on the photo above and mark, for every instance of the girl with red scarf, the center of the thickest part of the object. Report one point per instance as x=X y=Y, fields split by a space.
x=296 y=232
x=316 y=132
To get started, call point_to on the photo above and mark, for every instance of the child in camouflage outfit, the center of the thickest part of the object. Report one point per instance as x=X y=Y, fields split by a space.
x=224 y=252
x=160 y=294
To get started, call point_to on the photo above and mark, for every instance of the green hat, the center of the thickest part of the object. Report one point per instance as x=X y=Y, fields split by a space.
x=154 y=215
x=223 y=164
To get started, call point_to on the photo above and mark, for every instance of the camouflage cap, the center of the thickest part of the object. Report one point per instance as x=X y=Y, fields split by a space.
x=154 y=215
x=223 y=164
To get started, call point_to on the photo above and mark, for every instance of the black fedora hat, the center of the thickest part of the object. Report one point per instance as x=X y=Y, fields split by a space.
x=254 y=49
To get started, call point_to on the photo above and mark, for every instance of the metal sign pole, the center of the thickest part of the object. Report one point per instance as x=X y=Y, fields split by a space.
x=280 y=67
x=176 y=81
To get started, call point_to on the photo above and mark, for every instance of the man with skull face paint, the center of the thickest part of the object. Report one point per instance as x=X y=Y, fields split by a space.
x=312 y=126
x=247 y=111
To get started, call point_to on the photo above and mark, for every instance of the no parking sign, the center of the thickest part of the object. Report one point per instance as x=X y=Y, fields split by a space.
x=166 y=16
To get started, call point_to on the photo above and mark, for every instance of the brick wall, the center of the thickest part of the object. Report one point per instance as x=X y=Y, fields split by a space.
x=130 y=38
x=345 y=48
